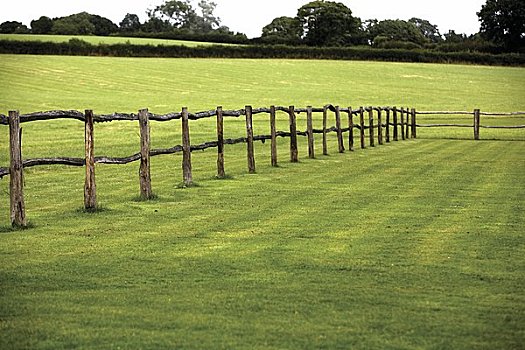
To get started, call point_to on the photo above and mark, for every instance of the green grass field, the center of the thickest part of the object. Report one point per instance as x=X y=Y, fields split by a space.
x=108 y=40
x=417 y=244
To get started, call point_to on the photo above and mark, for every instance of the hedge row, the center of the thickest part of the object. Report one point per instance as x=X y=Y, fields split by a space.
x=77 y=47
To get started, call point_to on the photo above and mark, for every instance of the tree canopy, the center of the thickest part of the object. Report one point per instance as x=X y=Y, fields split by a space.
x=503 y=21
x=328 y=23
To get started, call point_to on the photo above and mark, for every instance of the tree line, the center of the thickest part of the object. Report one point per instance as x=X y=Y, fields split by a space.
x=318 y=23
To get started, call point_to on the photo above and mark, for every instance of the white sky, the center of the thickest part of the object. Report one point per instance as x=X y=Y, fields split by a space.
x=249 y=16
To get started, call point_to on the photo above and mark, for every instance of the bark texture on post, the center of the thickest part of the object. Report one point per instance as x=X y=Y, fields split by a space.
x=90 y=187
x=362 y=122
x=407 y=128
x=16 y=183
x=310 y=131
x=249 y=140
x=351 y=129
x=414 y=124
x=476 y=123
x=371 y=126
x=273 y=130
x=294 y=152
x=396 y=129
x=387 y=136
x=220 y=144
x=339 y=130
x=187 y=175
x=325 y=131
x=379 y=127
x=144 y=171
x=402 y=123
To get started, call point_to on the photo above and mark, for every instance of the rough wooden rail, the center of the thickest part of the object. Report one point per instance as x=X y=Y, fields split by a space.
x=380 y=123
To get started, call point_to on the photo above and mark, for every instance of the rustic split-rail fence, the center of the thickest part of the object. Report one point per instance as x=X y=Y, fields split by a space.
x=385 y=124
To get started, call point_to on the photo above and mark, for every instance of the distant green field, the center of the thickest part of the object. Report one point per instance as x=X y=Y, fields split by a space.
x=95 y=40
x=416 y=244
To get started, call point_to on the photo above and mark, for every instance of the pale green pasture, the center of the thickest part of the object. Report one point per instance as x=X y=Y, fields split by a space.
x=108 y=40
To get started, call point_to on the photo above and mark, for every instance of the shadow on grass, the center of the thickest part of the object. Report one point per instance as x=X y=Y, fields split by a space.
x=12 y=229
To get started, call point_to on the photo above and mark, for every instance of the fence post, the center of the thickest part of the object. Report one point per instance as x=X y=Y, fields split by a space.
x=249 y=140
x=16 y=170
x=90 y=187
x=273 y=129
x=371 y=126
x=379 y=127
x=351 y=129
x=144 y=171
x=414 y=124
x=294 y=155
x=220 y=144
x=362 y=122
x=407 y=129
x=476 y=123
x=310 y=131
x=186 y=149
x=403 y=123
x=339 y=130
x=388 y=125
x=396 y=131
x=325 y=125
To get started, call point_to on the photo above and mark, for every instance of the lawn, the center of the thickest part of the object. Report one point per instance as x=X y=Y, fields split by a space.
x=108 y=40
x=416 y=244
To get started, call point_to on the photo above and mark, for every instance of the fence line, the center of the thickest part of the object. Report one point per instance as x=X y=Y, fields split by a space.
x=407 y=123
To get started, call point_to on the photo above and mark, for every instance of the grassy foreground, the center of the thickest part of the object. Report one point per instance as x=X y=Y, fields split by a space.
x=411 y=245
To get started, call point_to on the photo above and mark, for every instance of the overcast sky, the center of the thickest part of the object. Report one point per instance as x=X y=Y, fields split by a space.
x=249 y=16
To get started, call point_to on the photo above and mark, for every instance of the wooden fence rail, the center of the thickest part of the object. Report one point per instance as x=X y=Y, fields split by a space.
x=406 y=123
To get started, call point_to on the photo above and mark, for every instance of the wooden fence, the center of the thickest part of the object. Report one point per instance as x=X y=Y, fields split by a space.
x=385 y=124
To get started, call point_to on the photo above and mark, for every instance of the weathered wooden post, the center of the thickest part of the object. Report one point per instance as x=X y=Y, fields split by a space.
x=387 y=125
x=414 y=124
x=249 y=140
x=187 y=176
x=144 y=171
x=477 y=114
x=90 y=187
x=350 y=129
x=407 y=129
x=310 y=131
x=294 y=152
x=325 y=131
x=339 y=130
x=402 y=123
x=379 y=127
x=273 y=130
x=396 y=131
x=16 y=171
x=371 y=126
x=220 y=144
x=362 y=122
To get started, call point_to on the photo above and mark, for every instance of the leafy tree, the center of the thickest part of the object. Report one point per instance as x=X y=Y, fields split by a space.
x=83 y=23
x=177 y=13
x=130 y=23
x=43 y=25
x=503 y=22
x=454 y=38
x=396 y=30
x=78 y=24
x=429 y=30
x=156 y=25
x=103 y=26
x=283 y=30
x=13 y=27
x=328 y=23
x=210 y=22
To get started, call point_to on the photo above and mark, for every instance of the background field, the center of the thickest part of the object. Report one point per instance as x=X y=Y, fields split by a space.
x=416 y=244
x=109 y=40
